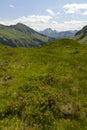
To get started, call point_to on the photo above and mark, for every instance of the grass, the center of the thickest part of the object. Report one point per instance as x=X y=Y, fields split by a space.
x=44 y=88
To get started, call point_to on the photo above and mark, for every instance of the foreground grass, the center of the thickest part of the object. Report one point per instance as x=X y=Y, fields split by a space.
x=44 y=88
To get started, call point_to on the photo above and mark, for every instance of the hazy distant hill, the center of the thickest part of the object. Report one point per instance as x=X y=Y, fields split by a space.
x=58 y=35
x=81 y=35
x=20 y=35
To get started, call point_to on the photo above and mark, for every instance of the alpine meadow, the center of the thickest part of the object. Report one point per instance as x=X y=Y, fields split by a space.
x=43 y=65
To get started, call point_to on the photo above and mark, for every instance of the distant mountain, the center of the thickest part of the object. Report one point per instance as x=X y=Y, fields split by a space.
x=49 y=32
x=81 y=35
x=66 y=34
x=20 y=35
x=58 y=35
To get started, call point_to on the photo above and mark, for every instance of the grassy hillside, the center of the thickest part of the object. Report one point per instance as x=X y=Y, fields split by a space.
x=81 y=35
x=20 y=35
x=44 y=88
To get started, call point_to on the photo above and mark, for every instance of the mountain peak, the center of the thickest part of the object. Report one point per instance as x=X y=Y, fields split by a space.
x=22 y=28
x=20 y=35
x=21 y=25
x=49 y=30
x=58 y=35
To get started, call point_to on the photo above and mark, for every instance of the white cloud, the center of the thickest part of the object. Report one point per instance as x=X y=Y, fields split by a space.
x=75 y=24
x=51 y=12
x=33 y=19
x=84 y=13
x=74 y=8
x=63 y=26
x=11 y=6
x=40 y=22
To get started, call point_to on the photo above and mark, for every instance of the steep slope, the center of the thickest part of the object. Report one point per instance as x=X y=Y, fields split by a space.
x=44 y=88
x=81 y=35
x=58 y=35
x=20 y=35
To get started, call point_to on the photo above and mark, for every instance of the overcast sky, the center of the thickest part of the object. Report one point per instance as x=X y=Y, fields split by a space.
x=40 y=14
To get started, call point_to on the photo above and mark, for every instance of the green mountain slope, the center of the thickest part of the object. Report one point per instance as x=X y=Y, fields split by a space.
x=20 y=35
x=44 y=88
x=81 y=35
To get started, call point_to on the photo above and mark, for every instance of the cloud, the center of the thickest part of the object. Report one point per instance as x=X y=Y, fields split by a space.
x=38 y=22
x=74 y=22
x=63 y=26
x=11 y=6
x=74 y=8
x=34 y=19
x=84 y=13
x=51 y=12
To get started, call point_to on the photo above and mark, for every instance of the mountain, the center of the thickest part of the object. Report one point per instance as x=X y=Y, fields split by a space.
x=49 y=32
x=44 y=88
x=66 y=34
x=81 y=35
x=58 y=35
x=20 y=35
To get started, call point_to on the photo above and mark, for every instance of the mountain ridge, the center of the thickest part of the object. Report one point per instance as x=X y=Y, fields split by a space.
x=58 y=35
x=20 y=35
x=81 y=35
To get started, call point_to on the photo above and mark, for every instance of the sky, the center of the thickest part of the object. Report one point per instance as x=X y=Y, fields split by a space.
x=59 y=15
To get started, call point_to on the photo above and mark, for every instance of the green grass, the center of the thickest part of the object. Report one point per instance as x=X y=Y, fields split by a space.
x=44 y=88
